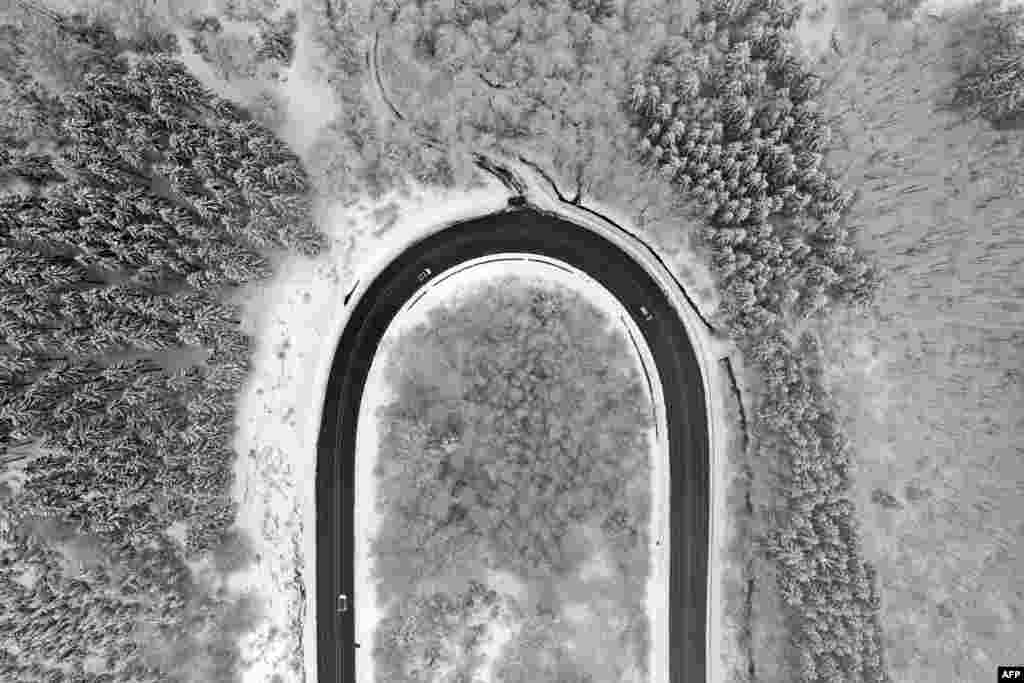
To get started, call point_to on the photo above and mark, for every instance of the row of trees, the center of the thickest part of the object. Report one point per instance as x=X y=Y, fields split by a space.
x=823 y=577
x=726 y=113
x=150 y=197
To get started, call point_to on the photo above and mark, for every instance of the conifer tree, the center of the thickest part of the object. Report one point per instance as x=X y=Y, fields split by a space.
x=57 y=316
x=989 y=80
x=159 y=100
x=37 y=169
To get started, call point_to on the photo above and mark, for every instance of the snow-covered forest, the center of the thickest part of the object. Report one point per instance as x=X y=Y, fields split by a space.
x=187 y=189
x=516 y=442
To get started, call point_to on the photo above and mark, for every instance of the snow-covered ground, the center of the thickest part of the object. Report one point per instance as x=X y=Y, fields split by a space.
x=823 y=27
x=942 y=7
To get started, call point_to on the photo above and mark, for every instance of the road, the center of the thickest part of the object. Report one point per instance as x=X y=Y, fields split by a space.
x=518 y=229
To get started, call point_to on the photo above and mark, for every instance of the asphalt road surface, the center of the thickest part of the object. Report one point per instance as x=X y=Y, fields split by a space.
x=518 y=229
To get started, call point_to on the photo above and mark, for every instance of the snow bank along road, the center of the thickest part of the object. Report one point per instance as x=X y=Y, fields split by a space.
x=518 y=229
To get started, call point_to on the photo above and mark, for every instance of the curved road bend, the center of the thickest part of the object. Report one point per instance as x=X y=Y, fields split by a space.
x=520 y=229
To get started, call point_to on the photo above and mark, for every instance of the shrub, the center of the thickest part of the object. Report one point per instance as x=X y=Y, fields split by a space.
x=277 y=39
x=991 y=69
